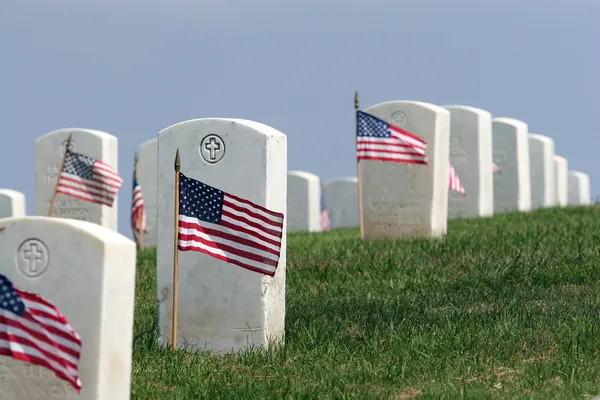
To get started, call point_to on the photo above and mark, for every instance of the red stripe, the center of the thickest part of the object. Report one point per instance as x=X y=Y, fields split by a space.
x=263 y=209
x=30 y=343
x=66 y=180
x=276 y=233
x=374 y=143
x=234 y=262
x=94 y=200
x=250 y=213
x=41 y=362
x=405 y=153
x=234 y=238
x=407 y=133
x=393 y=160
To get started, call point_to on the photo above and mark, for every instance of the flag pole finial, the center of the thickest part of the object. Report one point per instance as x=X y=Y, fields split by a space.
x=356 y=102
x=177 y=161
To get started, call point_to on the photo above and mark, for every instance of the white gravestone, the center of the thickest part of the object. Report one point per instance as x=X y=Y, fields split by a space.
x=148 y=154
x=49 y=151
x=408 y=200
x=341 y=198
x=12 y=203
x=541 y=166
x=471 y=157
x=561 y=174
x=303 y=202
x=221 y=306
x=579 y=188
x=88 y=272
x=512 y=187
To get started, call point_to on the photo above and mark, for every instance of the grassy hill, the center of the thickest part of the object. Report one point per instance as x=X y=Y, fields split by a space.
x=502 y=307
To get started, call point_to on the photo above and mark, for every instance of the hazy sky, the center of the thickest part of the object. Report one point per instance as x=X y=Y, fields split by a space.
x=134 y=67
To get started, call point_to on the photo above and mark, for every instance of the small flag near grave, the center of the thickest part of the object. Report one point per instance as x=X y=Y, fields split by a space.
x=34 y=331
x=378 y=140
x=454 y=182
x=139 y=224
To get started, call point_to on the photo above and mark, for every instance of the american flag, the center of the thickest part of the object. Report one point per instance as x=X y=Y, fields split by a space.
x=495 y=168
x=137 y=208
x=325 y=224
x=88 y=179
x=228 y=227
x=34 y=331
x=454 y=181
x=378 y=140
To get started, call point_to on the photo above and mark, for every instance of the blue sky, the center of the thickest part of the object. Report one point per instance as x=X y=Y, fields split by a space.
x=133 y=67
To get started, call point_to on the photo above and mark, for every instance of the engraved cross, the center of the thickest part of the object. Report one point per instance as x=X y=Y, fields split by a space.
x=212 y=146
x=33 y=255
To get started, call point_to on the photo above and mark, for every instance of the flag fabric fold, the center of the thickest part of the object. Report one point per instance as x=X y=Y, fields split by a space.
x=495 y=168
x=378 y=140
x=34 y=331
x=88 y=179
x=228 y=227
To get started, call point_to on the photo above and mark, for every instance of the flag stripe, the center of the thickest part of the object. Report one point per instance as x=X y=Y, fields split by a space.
x=34 y=331
x=228 y=227
x=454 y=182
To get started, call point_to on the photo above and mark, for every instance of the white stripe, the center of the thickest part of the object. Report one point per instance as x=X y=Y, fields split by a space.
x=230 y=231
x=378 y=154
x=78 y=182
x=410 y=140
x=37 y=328
x=16 y=347
x=260 y=233
x=274 y=219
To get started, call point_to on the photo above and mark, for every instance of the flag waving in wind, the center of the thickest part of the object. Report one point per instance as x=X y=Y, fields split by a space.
x=495 y=168
x=378 y=140
x=88 y=179
x=454 y=182
x=228 y=227
x=138 y=213
x=34 y=331
x=325 y=223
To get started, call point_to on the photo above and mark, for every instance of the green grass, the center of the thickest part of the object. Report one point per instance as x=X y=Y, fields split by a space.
x=502 y=307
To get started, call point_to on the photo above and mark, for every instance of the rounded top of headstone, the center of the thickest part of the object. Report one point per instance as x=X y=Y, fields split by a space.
x=304 y=175
x=429 y=106
x=579 y=174
x=518 y=124
x=99 y=232
x=151 y=142
x=540 y=138
x=100 y=134
x=469 y=109
x=258 y=127
x=351 y=179
x=559 y=159
x=11 y=193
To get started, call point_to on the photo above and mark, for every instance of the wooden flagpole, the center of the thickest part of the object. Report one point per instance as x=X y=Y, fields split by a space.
x=62 y=165
x=140 y=211
x=360 y=203
x=176 y=252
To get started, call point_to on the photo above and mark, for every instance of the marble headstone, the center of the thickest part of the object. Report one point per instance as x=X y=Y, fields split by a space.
x=408 y=200
x=148 y=153
x=510 y=144
x=49 y=151
x=471 y=157
x=88 y=272
x=561 y=174
x=579 y=188
x=12 y=203
x=303 y=202
x=341 y=197
x=222 y=307
x=541 y=166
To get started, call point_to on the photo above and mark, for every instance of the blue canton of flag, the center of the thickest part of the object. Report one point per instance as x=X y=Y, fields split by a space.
x=228 y=227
